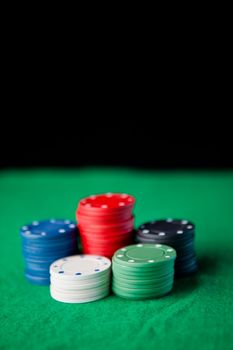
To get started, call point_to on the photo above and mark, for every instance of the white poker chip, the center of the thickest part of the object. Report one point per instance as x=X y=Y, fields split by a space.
x=67 y=299
x=80 y=278
x=83 y=292
x=81 y=283
x=80 y=266
x=78 y=296
x=85 y=280
x=77 y=287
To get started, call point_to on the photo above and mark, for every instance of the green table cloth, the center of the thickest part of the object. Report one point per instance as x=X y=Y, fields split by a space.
x=198 y=314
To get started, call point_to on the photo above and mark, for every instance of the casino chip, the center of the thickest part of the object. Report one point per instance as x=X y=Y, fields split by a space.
x=46 y=241
x=178 y=234
x=143 y=271
x=80 y=278
x=105 y=223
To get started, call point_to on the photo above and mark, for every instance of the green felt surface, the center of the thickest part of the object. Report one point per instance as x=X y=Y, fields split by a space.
x=198 y=314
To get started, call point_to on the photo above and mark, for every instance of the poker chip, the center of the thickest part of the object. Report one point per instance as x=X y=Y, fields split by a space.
x=46 y=241
x=178 y=234
x=38 y=280
x=80 y=278
x=106 y=223
x=143 y=271
x=72 y=299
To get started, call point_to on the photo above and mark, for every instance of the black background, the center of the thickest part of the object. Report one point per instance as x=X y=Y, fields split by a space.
x=131 y=143
x=64 y=109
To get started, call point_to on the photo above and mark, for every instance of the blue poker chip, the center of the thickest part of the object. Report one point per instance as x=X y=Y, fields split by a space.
x=35 y=278
x=39 y=281
x=43 y=260
x=48 y=258
x=68 y=239
x=48 y=229
x=37 y=267
x=49 y=250
x=37 y=273
x=43 y=242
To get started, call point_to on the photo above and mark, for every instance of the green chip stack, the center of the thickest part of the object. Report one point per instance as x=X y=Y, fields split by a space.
x=143 y=271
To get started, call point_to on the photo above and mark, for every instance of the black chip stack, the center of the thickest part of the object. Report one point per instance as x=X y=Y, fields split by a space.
x=178 y=234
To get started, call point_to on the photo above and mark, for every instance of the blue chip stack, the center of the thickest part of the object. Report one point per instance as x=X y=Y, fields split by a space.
x=44 y=242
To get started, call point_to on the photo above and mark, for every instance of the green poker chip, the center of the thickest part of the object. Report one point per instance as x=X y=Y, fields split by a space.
x=142 y=278
x=143 y=271
x=142 y=274
x=142 y=282
x=140 y=255
x=143 y=291
x=139 y=286
x=136 y=270
x=145 y=280
x=129 y=294
x=147 y=266
x=141 y=297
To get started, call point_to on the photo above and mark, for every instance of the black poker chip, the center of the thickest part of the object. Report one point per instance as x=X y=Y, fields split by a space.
x=179 y=234
x=167 y=228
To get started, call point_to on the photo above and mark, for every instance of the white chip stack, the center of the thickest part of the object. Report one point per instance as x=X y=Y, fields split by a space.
x=80 y=278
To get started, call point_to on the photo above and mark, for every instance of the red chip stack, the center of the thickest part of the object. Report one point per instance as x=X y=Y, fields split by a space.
x=105 y=223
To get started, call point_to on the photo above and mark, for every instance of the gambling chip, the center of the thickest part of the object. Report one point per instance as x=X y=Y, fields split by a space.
x=143 y=271
x=80 y=278
x=105 y=223
x=178 y=234
x=46 y=241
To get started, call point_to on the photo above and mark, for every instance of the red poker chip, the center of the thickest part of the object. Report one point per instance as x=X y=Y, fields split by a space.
x=107 y=202
x=113 y=225
x=97 y=250
x=106 y=246
x=107 y=240
x=108 y=243
x=106 y=235
x=105 y=223
x=103 y=252
x=116 y=223
x=106 y=230
x=105 y=216
x=105 y=213
x=104 y=220
x=108 y=255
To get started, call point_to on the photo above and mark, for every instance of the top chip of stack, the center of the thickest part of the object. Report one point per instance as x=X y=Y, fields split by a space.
x=43 y=242
x=178 y=234
x=105 y=223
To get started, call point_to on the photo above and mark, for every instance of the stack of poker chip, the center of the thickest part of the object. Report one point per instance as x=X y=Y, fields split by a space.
x=179 y=234
x=80 y=278
x=105 y=223
x=143 y=271
x=46 y=241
